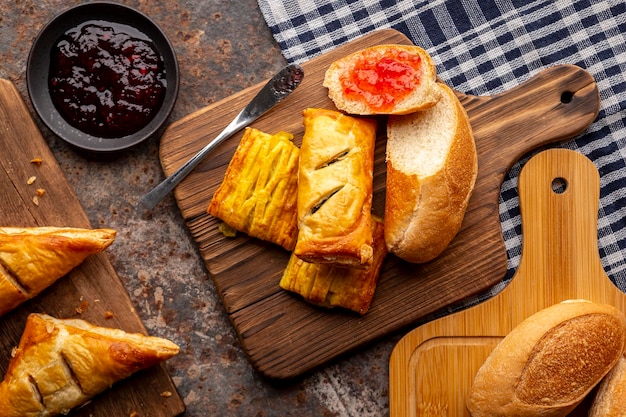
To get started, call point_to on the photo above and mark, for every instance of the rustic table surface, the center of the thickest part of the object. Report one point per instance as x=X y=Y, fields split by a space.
x=222 y=48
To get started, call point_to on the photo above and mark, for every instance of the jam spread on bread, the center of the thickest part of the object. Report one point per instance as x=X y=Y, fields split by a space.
x=381 y=80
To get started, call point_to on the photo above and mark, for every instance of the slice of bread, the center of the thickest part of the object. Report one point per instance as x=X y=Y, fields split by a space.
x=431 y=171
x=397 y=79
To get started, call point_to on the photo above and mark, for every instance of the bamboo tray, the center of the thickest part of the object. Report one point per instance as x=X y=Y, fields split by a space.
x=432 y=367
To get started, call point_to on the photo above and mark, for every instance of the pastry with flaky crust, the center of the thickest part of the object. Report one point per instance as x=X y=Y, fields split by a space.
x=33 y=258
x=61 y=364
x=327 y=285
x=335 y=189
x=258 y=193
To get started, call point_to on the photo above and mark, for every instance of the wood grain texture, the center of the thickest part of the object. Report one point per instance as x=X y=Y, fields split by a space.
x=433 y=366
x=95 y=281
x=285 y=337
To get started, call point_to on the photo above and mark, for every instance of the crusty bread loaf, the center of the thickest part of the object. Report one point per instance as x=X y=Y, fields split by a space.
x=548 y=363
x=431 y=172
x=610 y=400
x=389 y=91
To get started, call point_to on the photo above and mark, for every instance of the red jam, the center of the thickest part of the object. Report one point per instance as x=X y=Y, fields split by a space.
x=382 y=80
x=106 y=79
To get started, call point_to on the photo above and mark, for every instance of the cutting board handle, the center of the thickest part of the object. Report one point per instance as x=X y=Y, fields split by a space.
x=532 y=114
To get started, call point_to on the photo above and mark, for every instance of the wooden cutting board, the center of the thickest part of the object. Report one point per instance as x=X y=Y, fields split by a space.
x=282 y=335
x=94 y=285
x=432 y=367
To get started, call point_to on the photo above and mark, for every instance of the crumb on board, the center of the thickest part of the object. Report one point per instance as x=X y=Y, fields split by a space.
x=84 y=305
x=108 y=314
x=166 y=394
x=227 y=230
x=36 y=200
x=31 y=180
x=37 y=161
x=134 y=414
x=40 y=192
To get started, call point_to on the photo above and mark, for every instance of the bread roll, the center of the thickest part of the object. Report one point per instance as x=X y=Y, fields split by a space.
x=383 y=79
x=335 y=176
x=610 y=400
x=431 y=171
x=548 y=363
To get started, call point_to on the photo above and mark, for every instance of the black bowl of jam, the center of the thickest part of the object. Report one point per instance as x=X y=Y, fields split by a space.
x=103 y=77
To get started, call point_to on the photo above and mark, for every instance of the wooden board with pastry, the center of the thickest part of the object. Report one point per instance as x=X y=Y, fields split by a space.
x=71 y=340
x=466 y=255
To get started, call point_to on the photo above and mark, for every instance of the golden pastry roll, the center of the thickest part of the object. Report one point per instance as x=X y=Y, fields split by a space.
x=33 y=258
x=61 y=364
x=331 y=286
x=335 y=178
x=259 y=190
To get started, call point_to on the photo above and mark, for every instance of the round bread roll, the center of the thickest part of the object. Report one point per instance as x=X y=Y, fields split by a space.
x=383 y=79
x=548 y=363
x=432 y=164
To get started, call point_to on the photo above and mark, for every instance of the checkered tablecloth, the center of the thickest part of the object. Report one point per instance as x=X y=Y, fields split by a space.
x=484 y=47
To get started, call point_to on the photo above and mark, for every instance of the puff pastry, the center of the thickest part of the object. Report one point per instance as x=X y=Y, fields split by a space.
x=33 y=258
x=61 y=364
x=259 y=190
x=335 y=189
x=331 y=286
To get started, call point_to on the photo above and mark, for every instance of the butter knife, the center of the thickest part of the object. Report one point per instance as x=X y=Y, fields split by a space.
x=277 y=88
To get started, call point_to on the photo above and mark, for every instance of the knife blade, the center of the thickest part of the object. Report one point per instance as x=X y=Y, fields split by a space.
x=273 y=92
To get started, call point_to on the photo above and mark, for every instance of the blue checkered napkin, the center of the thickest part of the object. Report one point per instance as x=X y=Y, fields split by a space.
x=484 y=47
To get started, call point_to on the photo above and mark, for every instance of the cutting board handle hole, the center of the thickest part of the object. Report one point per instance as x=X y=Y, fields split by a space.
x=559 y=185
x=566 y=97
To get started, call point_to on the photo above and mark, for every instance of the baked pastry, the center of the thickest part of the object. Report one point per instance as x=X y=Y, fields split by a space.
x=259 y=190
x=383 y=79
x=335 y=189
x=61 y=364
x=432 y=166
x=331 y=286
x=610 y=399
x=549 y=363
x=32 y=258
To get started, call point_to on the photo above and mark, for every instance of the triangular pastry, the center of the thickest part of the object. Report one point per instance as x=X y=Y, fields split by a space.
x=61 y=364
x=32 y=258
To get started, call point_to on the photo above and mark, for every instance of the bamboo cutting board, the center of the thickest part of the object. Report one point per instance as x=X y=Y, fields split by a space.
x=285 y=337
x=94 y=285
x=432 y=367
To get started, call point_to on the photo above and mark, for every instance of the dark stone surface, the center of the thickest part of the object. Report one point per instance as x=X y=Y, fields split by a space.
x=223 y=46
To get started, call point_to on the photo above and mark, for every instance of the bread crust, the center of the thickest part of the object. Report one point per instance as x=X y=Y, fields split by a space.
x=33 y=258
x=610 y=399
x=422 y=97
x=61 y=364
x=424 y=213
x=548 y=363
